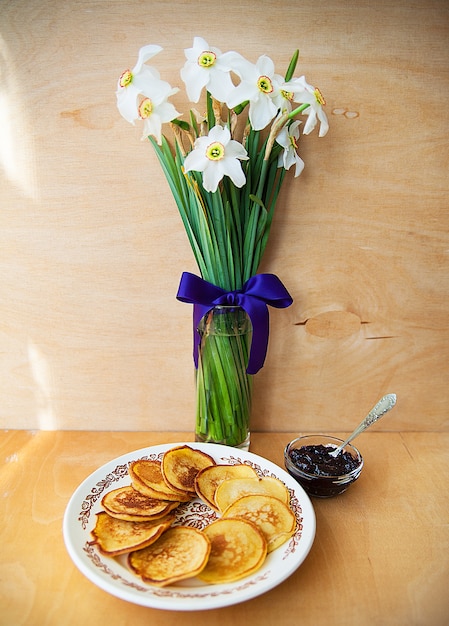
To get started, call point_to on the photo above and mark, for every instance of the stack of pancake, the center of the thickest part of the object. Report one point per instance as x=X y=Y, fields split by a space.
x=253 y=518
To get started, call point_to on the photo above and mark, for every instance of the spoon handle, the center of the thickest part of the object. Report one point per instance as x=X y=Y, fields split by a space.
x=383 y=406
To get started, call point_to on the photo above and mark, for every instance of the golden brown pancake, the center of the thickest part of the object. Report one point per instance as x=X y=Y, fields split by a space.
x=146 y=477
x=180 y=466
x=231 y=490
x=128 y=504
x=210 y=478
x=238 y=549
x=115 y=536
x=274 y=518
x=180 y=552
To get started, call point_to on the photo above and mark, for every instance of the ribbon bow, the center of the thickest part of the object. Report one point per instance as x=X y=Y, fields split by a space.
x=259 y=291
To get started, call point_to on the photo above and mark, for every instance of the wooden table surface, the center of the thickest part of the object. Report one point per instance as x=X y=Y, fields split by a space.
x=380 y=556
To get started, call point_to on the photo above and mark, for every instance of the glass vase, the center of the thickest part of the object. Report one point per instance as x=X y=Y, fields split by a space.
x=223 y=387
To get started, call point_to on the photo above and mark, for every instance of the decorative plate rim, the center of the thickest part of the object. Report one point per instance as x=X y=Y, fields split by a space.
x=112 y=574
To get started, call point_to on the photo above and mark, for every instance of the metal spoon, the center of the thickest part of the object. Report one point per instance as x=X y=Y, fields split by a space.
x=382 y=407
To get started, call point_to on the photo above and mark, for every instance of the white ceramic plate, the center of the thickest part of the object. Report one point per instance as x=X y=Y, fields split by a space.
x=112 y=574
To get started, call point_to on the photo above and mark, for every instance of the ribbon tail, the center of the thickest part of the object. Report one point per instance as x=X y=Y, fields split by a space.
x=258 y=314
x=199 y=311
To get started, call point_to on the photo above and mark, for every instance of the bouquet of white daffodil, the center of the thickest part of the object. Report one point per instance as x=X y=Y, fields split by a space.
x=225 y=169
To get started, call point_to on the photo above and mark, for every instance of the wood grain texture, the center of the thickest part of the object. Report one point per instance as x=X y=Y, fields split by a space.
x=92 y=248
x=380 y=554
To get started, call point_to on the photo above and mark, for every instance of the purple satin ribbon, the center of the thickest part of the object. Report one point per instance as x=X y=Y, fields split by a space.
x=259 y=291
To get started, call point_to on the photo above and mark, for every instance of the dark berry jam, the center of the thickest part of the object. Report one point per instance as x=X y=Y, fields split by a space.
x=319 y=473
x=316 y=460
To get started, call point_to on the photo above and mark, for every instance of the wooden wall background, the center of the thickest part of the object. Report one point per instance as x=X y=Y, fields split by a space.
x=92 y=248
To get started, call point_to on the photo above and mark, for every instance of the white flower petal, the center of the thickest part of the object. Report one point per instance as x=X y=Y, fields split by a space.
x=144 y=79
x=196 y=160
x=127 y=103
x=226 y=60
x=160 y=91
x=294 y=128
x=299 y=166
x=153 y=126
x=145 y=53
x=202 y=142
x=194 y=81
x=235 y=150
x=289 y=158
x=310 y=122
x=324 y=124
x=220 y=85
x=200 y=44
x=233 y=169
x=261 y=112
x=241 y=93
x=283 y=139
x=265 y=66
x=243 y=68
x=167 y=112
x=298 y=86
x=212 y=176
x=219 y=133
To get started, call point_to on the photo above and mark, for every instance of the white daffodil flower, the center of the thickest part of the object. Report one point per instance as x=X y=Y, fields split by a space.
x=288 y=138
x=207 y=67
x=217 y=155
x=155 y=109
x=259 y=86
x=283 y=99
x=134 y=82
x=145 y=81
x=306 y=94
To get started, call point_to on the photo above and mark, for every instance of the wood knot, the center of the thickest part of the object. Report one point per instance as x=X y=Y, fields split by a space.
x=333 y=324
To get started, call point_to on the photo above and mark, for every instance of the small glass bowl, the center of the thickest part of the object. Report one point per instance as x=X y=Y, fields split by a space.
x=315 y=484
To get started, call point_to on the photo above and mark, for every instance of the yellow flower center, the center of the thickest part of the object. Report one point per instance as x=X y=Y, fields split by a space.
x=126 y=78
x=207 y=59
x=288 y=95
x=215 y=152
x=293 y=142
x=145 y=108
x=265 y=85
x=319 y=97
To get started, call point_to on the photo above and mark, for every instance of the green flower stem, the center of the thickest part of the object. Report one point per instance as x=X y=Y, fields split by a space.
x=228 y=232
x=292 y=66
x=298 y=110
x=223 y=386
